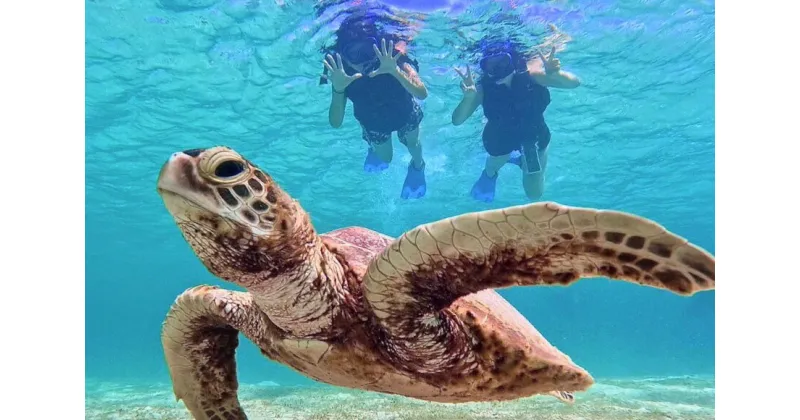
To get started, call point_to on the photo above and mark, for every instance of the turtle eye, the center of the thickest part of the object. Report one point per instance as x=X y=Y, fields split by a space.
x=229 y=169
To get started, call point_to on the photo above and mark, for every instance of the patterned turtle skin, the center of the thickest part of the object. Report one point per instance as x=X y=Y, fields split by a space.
x=416 y=316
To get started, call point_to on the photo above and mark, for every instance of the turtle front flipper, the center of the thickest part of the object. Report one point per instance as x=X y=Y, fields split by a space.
x=199 y=337
x=429 y=267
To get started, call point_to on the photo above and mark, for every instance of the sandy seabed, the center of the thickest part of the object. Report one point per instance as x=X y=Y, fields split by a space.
x=682 y=398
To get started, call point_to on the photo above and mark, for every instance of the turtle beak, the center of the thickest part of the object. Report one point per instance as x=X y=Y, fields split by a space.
x=180 y=184
x=171 y=184
x=171 y=176
x=179 y=173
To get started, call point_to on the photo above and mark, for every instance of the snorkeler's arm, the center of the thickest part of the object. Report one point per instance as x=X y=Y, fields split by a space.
x=336 y=110
x=467 y=106
x=410 y=80
x=561 y=79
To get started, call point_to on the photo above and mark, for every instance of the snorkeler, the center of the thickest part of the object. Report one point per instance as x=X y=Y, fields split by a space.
x=514 y=95
x=382 y=84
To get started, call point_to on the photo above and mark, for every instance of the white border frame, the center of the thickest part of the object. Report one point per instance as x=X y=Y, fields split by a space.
x=43 y=47
x=44 y=207
x=756 y=226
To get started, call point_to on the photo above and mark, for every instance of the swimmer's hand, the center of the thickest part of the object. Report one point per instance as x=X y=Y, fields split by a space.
x=551 y=64
x=339 y=79
x=547 y=72
x=467 y=83
x=388 y=61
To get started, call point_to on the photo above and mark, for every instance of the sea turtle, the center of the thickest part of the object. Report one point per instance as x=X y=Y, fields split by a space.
x=414 y=316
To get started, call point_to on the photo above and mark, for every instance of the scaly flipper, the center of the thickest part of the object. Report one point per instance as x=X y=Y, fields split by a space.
x=431 y=266
x=199 y=336
x=565 y=397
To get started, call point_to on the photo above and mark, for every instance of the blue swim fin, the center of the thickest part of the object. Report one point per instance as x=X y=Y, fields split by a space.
x=373 y=163
x=484 y=187
x=414 y=185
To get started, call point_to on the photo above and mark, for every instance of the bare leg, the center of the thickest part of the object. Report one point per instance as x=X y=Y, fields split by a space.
x=384 y=150
x=534 y=183
x=494 y=163
x=414 y=148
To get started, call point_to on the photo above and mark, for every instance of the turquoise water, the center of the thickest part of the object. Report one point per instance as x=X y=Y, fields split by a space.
x=164 y=76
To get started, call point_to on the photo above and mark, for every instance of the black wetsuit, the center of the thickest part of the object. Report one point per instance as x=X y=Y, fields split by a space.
x=515 y=115
x=382 y=105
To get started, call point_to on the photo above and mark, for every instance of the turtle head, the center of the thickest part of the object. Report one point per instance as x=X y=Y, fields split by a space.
x=240 y=223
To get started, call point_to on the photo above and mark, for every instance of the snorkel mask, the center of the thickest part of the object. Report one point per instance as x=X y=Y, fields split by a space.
x=362 y=52
x=497 y=66
x=359 y=52
x=500 y=58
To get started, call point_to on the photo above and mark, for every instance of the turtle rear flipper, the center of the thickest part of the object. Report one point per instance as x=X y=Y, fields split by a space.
x=563 y=396
x=429 y=267
x=199 y=337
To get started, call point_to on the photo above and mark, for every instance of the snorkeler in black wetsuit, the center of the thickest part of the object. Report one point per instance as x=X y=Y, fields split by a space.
x=383 y=85
x=514 y=95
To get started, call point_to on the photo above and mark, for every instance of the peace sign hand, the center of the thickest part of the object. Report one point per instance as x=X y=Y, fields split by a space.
x=551 y=63
x=388 y=62
x=467 y=84
x=339 y=79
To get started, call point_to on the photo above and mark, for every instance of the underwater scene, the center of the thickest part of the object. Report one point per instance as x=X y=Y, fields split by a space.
x=303 y=209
